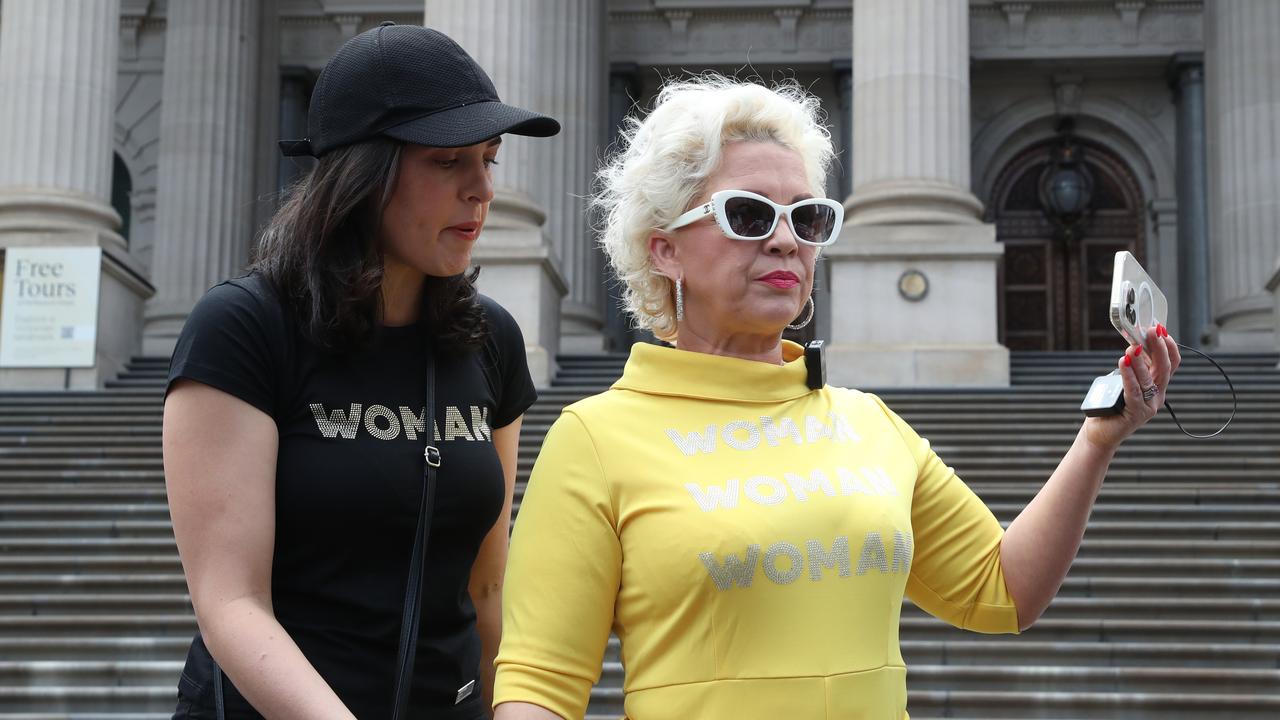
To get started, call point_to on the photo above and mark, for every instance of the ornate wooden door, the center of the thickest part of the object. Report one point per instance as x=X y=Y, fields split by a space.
x=1054 y=293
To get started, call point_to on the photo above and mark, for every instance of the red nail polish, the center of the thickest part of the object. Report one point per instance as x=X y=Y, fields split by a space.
x=1137 y=350
x=1126 y=359
x=1164 y=332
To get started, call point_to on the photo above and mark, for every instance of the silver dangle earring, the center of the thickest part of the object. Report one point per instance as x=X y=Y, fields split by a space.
x=680 y=298
x=807 y=318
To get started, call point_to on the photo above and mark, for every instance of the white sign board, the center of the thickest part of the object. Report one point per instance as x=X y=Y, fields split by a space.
x=49 y=316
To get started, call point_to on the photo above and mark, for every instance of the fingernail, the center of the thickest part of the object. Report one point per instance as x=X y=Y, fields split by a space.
x=1137 y=350
x=1126 y=359
x=1164 y=332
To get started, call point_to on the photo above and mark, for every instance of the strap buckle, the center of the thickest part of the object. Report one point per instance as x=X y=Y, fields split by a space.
x=432 y=455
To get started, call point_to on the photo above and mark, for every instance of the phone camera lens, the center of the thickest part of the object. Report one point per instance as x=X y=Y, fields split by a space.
x=1130 y=314
x=1133 y=297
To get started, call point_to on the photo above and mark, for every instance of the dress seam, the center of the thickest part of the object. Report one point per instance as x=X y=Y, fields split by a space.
x=771 y=677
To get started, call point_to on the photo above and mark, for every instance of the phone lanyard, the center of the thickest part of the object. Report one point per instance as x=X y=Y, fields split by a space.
x=1235 y=402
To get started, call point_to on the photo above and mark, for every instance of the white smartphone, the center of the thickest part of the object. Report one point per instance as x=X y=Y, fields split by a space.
x=1136 y=303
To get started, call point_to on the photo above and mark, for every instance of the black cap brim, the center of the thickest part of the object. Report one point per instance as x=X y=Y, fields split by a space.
x=471 y=124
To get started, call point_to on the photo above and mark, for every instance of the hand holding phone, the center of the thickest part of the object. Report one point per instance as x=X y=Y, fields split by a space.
x=1137 y=306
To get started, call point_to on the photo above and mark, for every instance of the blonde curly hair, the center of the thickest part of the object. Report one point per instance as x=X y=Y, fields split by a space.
x=662 y=163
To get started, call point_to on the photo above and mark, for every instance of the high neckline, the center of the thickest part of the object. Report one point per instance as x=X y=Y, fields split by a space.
x=670 y=371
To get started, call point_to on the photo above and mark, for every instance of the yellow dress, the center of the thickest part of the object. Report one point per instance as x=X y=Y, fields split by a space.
x=748 y=539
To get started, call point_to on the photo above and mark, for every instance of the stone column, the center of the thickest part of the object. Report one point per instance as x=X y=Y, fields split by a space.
x=1186 y=77
x=911 y=215
x=1273 y=287
x=624 y=89
x=842 y=70
x=208 y=123
x=294 y=84
x=574 y=67
x=521 y=268
x=1163 y=262
x=911 y=113
x=1243 y=118
x=58 y=63
x=267 y=91
x=842 y=75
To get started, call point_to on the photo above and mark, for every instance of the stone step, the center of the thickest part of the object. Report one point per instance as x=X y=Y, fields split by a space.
x=78 y=673
x=1170 y=513
x=1132 y=680
x=63 y=699
x=128 y=383
x=20 y=432
x=1243 y=609
x=34 y=529
x=97 y=603
x=27 y=475
x=93 y=583
x=38 y=416
x=88 y=715
x=86 y=546
x=60 y=451
x=82 y=492
x=34 y=563
x=1024 y=650
x=148 y=463
x=1091 y=705
x=92 y=624
x=85 y=511
x=128 y=648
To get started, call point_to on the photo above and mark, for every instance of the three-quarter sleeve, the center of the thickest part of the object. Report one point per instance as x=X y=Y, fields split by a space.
x=956 y=573
x=562 y=578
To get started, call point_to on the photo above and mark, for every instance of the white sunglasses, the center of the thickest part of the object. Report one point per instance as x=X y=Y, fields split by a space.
x=744 y=215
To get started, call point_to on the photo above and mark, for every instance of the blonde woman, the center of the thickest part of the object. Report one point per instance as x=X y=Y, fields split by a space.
x=748 y=538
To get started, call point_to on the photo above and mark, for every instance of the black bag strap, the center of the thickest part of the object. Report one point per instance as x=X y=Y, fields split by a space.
x=410 y=621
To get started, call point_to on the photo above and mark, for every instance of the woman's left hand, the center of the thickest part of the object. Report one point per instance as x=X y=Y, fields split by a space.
x=1146 y=374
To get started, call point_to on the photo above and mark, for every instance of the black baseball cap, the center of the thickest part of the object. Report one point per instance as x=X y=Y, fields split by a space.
x=412 y=84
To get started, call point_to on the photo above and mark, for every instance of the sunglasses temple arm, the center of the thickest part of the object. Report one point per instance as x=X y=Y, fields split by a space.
x=691 y=216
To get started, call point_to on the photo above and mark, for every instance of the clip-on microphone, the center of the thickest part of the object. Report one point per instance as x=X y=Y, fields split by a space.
x=815 y=362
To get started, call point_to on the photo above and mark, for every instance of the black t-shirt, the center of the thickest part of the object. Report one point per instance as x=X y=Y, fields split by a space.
x=349 y=480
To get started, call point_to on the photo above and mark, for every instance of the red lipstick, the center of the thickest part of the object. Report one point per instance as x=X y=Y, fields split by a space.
x=781 y=279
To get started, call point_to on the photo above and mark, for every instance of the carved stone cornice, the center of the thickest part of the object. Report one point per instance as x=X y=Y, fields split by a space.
x=729 y=33
x=712 y=32
x=310 y=34
x=1053 y=29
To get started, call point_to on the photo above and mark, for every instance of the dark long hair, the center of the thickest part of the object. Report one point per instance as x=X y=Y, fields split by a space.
x=322 y=252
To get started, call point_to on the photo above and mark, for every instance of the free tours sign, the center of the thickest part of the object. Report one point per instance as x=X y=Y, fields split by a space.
x=49 y=316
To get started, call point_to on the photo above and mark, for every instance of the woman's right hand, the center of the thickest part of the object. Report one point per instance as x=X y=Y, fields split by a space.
x=220 y=469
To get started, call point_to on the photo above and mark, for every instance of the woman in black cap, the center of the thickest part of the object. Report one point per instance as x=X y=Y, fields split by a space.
x=315 y=403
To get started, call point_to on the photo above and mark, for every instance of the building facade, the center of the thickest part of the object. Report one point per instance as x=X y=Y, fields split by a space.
x=993 y=157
